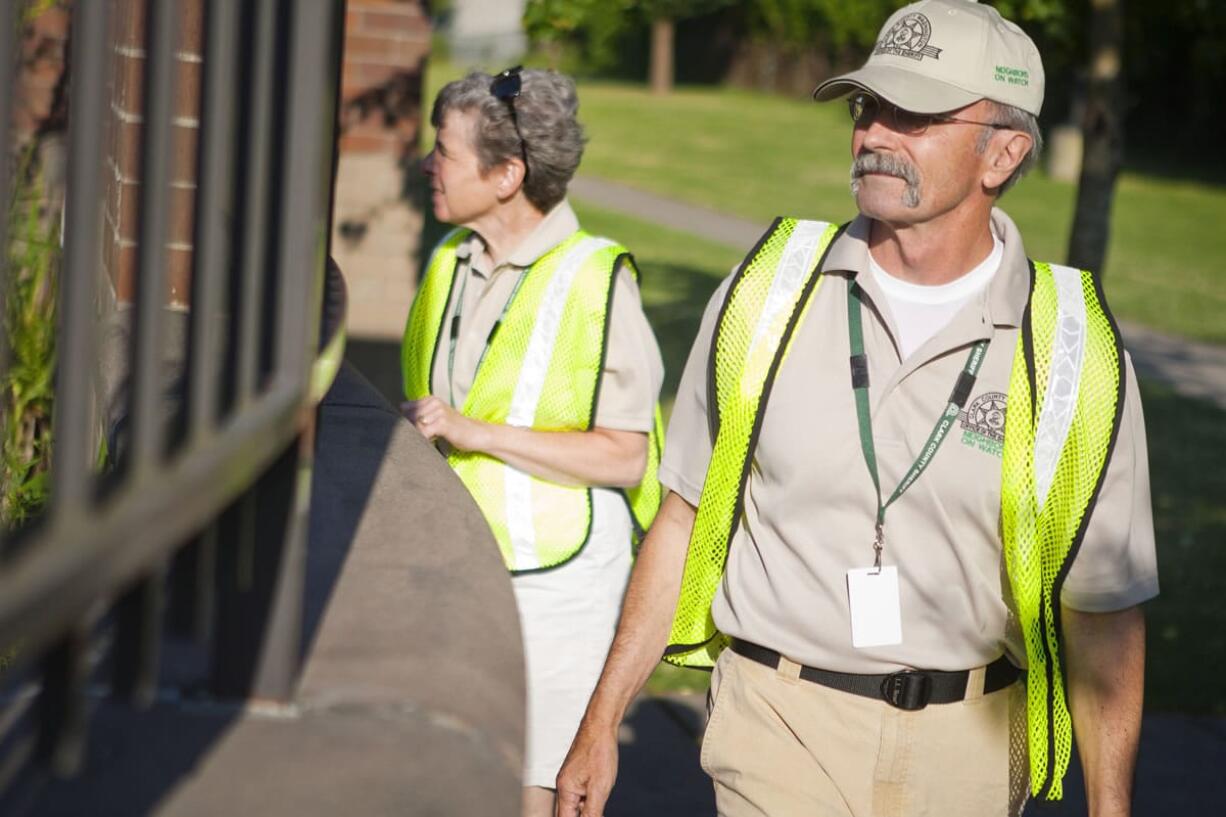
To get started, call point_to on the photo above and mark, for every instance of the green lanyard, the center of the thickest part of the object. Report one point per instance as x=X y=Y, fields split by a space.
x=454 y=330
x=859 y=383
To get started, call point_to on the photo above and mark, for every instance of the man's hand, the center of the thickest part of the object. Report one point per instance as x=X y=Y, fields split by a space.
x=587 y=775
x=437 y=420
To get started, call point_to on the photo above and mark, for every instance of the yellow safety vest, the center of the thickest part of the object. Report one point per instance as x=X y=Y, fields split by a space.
x=541 y=369
x=1066 y=386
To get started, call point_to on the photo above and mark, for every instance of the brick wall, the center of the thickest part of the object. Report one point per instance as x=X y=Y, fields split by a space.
x=386 y=44
x=125 y=120
x=377 y=227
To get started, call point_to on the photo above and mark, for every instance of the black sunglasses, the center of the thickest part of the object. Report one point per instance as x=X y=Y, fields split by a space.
x=506 y=87
x=865 y=108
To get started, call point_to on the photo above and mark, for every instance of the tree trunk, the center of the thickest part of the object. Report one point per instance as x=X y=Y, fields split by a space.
x=661 y=56
x=1103 y=135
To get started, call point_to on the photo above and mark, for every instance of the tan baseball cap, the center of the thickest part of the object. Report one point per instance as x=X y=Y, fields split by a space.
x=939 y=55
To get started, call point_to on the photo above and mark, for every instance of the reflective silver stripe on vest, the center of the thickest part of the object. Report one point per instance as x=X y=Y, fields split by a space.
x=798 y=257
x=1064 y=379
x=520 y=527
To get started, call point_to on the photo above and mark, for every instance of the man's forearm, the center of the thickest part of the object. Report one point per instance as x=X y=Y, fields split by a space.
x=1106 y=672
x=647 y=614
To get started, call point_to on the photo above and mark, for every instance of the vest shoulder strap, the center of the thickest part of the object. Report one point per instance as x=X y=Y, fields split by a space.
x=765 y=302
x=1066 y=396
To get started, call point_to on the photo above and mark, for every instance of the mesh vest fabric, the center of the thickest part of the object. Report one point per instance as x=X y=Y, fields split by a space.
x=1055 y=456
x=764 y=304
x=541 y=369
x=1065 y=401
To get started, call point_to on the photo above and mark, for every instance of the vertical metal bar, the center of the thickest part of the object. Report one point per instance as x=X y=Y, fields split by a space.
x=147 y=410
x=255 y=221
x=259 y=611
x=62 y=706
x=78 y=341
x=214 y=195
x=194 y=577
x=138 y=638
x=306 y=186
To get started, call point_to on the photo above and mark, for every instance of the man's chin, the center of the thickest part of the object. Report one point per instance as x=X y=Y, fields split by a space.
x=885 y=205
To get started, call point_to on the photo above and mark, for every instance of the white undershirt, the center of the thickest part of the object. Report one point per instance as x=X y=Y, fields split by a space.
x=920 y=311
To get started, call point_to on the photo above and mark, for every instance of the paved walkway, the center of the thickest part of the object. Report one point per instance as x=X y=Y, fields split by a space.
x=1191 y=368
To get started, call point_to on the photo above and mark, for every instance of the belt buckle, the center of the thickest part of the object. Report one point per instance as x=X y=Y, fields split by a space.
x=907 y=689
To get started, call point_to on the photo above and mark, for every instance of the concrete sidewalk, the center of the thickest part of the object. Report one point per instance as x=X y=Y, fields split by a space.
x=1191 y=368
x=1179 y=768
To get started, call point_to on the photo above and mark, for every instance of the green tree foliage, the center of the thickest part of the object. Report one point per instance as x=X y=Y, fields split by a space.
x=679 y=9
x=589 y=35
x=569 y=28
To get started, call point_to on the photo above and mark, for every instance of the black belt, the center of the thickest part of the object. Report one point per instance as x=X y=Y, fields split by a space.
x=908 y=689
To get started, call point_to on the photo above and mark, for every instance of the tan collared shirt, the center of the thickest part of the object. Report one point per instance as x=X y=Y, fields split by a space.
x=810 y=505
x=633 y=369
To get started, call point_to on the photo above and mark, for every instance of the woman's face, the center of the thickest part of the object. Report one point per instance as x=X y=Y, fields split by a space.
x=460 y=193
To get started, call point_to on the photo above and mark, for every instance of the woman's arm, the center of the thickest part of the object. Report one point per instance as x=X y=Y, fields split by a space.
x=600 y=457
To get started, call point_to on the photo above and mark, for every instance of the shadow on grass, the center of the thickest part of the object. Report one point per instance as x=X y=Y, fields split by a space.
x=674 y=297
x=1187 y=622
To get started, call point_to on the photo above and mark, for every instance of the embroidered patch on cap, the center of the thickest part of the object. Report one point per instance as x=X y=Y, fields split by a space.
x=909 y=38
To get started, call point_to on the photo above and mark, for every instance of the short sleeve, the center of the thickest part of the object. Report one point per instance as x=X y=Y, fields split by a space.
x=633 y=370
x=1116 y=566
x=688 y=443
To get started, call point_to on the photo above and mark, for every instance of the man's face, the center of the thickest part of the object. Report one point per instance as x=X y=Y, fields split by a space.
x=900 y=177
x=460 y=192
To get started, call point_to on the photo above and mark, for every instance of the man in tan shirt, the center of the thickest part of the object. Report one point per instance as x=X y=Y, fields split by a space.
x=937 y=138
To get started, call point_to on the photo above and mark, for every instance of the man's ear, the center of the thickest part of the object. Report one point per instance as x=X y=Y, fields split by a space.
x=1006 y=151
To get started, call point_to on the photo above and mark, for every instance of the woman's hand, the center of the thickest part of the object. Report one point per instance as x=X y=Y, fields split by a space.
x=437 y=420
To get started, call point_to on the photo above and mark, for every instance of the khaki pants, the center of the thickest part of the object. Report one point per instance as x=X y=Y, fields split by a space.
x=777 y=745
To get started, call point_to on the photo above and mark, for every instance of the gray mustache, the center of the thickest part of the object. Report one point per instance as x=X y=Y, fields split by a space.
x=886 y=163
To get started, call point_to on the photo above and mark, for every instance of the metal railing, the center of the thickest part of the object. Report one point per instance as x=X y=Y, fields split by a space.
x=199 y=518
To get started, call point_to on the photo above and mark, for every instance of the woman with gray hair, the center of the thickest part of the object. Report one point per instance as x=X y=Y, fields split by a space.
x=528 y=360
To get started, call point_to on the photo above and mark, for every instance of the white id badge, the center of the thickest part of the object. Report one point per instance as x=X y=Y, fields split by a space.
x=876 y=618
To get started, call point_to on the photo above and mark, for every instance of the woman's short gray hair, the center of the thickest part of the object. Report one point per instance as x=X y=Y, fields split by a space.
x=1013 y=118
x=545 y=111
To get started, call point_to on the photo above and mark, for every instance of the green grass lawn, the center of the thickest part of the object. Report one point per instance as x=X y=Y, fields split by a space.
x=758 y=156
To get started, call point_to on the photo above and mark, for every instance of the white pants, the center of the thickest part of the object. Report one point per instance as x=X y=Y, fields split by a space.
x=568 y=616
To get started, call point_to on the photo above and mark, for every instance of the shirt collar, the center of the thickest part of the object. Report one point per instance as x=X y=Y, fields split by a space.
x=1007 y=293
x=557 y=225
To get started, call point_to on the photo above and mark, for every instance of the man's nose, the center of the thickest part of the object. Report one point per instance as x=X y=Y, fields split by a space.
x=875 y=136
x=427 y=163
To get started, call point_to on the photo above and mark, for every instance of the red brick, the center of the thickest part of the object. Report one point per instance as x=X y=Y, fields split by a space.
x=410 y=19
x=127 y=150
x=129 y=20
x=127 y=216
x=184 y=146
x=191 y=27
x=357 y=77
x=178 y=276
x=364 y=142
x=123 y=274
x=187 y=89
x=182 y=214
x=366 y=48
x=129 y=83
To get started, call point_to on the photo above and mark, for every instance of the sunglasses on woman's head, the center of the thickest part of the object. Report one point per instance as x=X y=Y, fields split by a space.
x=506 y=87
